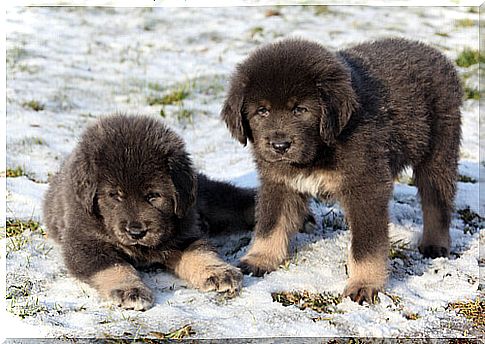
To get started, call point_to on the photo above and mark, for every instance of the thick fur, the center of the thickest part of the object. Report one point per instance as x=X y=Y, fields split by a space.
x=128 y=197
x=345 y=124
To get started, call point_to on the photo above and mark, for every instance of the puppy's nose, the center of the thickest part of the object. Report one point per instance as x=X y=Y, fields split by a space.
x=281 y=146
x=136 y=230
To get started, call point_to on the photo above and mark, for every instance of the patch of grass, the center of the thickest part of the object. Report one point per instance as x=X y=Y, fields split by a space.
x=472 y=93
x=442 y=34
x=394 y=298
x=181 y=333
x=321 y=10
x=20 y=289
x=411 y=316
x=17 y=227
x=15 y=54
x=257 y=30
x=15 y=172
x=466 y=22
x=473 y=222
x=29 y=308
x=185 y=114
x=468 y=57
x=473 y=310
x=155 y=86
x=398 y=249
x=321 y=302
x=465 y=179
x=34 y=105
x=175 y=96
x=34 y=140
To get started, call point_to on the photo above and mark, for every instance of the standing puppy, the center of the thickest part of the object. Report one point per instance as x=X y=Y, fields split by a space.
x=128 y=197
x=345 y=124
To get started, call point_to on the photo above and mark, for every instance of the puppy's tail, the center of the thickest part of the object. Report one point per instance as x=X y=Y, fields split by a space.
x=223 y=207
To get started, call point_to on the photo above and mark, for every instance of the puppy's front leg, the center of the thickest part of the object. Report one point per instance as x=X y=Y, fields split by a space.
x=200 y=265
x=280 y=212
x=366 y=211
x=122 y=284
x=101 y=266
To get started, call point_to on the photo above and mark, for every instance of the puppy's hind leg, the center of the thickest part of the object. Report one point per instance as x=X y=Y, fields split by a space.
x=436 y=178
x=224 y=207
x=436 y=185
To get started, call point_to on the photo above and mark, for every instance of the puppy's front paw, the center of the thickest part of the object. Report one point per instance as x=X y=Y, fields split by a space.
x=223 y=279
x=358 y=292
x=257 y=265
x=138 y=297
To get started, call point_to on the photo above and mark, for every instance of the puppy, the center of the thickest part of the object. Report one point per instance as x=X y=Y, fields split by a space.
x=127 y=198
x=345 y=124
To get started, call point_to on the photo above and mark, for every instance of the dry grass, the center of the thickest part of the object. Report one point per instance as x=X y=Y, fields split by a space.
x=15 y=172
x=321 y=302
x=181 y=333
x=473 y=310
x=17 y=227
x=473 y=222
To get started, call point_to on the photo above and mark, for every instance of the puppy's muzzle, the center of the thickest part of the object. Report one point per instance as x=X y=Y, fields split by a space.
x=281 y=147
x=136 y=230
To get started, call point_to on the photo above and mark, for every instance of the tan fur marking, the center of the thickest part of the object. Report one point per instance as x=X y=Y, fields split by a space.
x=270 y=251
x=204 y=270
x=123 y=278
x=433 y=234
x=316 y=183
x=115 y=277
x=371 y=272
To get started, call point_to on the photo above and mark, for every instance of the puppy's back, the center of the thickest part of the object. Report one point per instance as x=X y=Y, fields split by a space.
x=415 y=72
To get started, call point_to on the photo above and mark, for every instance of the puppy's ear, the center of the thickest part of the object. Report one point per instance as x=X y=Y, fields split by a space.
x=339 y=101
x=83 y=175
x=232 y=112
x=184 y=181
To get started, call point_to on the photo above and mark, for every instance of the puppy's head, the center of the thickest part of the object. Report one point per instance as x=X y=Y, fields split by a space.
x=288 y=98
x=135 y=175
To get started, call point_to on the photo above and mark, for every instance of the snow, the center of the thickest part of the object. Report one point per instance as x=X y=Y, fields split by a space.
x=82 y=63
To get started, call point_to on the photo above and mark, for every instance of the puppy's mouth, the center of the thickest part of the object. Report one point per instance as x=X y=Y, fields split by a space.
x=147 y=239
x=278 y=159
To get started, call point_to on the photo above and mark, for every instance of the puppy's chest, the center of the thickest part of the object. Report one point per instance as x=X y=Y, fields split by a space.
x=144 y=257
x=317 y=184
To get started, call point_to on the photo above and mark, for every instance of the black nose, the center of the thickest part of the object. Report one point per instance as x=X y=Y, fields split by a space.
x=136 y=230
x=281 y=146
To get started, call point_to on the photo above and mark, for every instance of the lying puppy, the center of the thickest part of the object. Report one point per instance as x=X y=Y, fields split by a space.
x=345 y=124
x=127 y=197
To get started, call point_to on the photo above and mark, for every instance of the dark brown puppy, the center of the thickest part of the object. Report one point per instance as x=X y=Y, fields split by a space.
x=127 y=197
x=345 y=124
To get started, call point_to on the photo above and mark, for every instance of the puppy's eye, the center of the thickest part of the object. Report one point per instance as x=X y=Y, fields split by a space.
x=299 y=110
x=152 y=196
x=262 y=111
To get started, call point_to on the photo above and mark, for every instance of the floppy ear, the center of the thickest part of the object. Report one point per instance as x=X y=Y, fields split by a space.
x=232 y=110
x=83 y=175
x=339 y=102
x=184 y=181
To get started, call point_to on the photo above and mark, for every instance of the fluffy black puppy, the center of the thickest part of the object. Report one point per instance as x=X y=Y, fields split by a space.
x=128 y=197
x=345 y=124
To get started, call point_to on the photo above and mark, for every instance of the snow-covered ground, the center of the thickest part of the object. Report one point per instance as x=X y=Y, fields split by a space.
x=80 y=63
